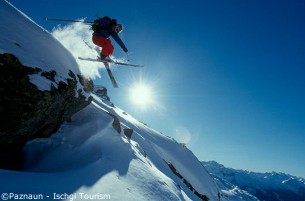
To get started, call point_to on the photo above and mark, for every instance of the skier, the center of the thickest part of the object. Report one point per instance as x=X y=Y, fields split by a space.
x=103 y=28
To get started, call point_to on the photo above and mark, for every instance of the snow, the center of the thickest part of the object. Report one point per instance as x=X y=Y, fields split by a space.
x=251 y=182
x=41 y=82
x=87 y=158
x=76 y=37
x=33 y=45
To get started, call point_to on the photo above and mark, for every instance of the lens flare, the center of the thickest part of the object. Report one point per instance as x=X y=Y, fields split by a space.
x=141 y=95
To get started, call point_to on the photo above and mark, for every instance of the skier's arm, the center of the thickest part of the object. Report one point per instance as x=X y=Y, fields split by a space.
x=117 y=39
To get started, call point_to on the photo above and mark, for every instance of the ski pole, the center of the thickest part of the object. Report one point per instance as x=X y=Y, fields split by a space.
x=67 y=20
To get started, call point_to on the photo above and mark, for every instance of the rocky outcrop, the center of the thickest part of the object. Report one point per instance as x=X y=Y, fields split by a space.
x=27 y=112
x=186 y=183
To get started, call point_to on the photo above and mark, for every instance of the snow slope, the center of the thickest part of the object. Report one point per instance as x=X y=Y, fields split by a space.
x=33 y=45
x=87 y=158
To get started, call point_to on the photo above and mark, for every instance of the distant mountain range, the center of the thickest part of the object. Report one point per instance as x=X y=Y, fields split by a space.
x=263 y=186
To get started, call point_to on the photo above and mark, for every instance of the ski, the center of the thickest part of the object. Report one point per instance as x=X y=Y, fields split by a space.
x=113 y=81
x=106 y=64
x=111 y=61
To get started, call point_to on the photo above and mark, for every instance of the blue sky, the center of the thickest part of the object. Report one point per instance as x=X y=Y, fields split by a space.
x=228 y=76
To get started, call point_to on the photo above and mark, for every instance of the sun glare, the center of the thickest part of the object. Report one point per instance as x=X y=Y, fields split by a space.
x=141 y=95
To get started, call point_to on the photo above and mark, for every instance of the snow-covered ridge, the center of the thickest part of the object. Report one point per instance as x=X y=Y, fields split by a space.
x=33 y=45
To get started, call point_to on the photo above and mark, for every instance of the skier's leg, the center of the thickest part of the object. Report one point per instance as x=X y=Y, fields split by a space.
x=97 y=40
x=105 y=44
x=107 y=47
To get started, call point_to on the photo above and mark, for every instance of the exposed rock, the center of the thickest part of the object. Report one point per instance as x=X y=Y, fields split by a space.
x=187 y=184
x=27 y=112
x=128 y=132
x=102 y=93
x=116 y=123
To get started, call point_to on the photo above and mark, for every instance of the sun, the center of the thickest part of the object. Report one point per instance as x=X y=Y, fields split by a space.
x=141 y=95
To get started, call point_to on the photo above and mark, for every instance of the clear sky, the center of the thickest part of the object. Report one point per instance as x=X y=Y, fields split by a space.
x=228 y=77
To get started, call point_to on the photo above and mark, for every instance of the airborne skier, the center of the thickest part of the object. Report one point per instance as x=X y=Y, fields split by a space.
x=103 y=28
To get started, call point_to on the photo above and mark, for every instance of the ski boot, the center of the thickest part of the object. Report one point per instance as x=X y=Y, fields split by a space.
x=105 y=58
